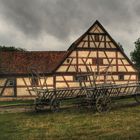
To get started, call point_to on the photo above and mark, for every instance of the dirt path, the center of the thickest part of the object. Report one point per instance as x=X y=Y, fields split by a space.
x=15 y=109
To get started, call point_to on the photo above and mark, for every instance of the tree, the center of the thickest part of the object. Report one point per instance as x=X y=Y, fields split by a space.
x=11 y=48
x=135 y=55
x=8 y=49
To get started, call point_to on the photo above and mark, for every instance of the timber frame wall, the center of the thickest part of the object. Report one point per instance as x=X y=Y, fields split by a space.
x=94 y=50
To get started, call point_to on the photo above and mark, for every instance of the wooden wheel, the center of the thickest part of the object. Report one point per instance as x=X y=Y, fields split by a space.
x=103 y=103
x=55 y=105
x=38 y=105
x=137 y=98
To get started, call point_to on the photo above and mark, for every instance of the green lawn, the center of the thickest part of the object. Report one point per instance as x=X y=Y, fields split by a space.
x=121 y=123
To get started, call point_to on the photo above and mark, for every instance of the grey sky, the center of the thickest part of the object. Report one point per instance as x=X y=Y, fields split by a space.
x=55 y=24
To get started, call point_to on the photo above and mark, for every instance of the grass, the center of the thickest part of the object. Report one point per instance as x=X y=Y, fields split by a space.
x=16 y=102
x=121 y=123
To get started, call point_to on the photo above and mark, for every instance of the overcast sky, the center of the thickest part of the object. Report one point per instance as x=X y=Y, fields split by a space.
x=55 y=24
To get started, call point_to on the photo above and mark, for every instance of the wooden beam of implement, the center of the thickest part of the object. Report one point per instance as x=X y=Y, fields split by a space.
x=45 y=81
x=38 y=77
x=31 y=76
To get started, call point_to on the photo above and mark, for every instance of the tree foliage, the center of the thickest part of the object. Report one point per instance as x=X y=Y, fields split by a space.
x=135 y=55
x=11 y=48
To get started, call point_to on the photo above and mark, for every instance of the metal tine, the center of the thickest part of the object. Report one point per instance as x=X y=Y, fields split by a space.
x=30 y=75
x=45 y=81
x=38 y=77
x=34 y=75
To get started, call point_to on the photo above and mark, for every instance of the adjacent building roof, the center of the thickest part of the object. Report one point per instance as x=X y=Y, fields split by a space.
x=18 y=62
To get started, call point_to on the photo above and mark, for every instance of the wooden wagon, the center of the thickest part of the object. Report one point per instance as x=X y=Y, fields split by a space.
x=98 y=95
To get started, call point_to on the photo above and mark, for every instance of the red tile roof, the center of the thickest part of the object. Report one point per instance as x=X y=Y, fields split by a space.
x=18 y=62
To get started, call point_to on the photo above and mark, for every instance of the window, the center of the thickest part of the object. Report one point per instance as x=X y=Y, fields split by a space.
x=68 y=60
x=34 y=81
x=80 y=78
x=98 y=61
x=121 y=77
x=94 y=61
x=11 y=82
x=96 y=38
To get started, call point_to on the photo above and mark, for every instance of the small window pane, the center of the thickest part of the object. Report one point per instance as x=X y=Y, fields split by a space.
x=121 y=77
x=11 y=82
x=68 y=60
x=96 y=37
x=80 y=78
x=94 y=61
x=98 y=61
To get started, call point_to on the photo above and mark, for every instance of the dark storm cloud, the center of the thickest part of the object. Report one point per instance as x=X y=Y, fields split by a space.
x=61 y=18
x=54 y=24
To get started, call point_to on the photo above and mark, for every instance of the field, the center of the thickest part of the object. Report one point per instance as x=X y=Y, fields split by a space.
x=121 y=123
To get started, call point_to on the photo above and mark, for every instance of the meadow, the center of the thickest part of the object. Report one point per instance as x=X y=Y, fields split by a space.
x=74 y=123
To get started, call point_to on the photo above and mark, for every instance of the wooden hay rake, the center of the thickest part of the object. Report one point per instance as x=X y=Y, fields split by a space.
x=98 y=95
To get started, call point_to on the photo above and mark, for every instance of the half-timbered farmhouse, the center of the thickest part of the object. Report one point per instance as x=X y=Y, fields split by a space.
x=94 y=52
